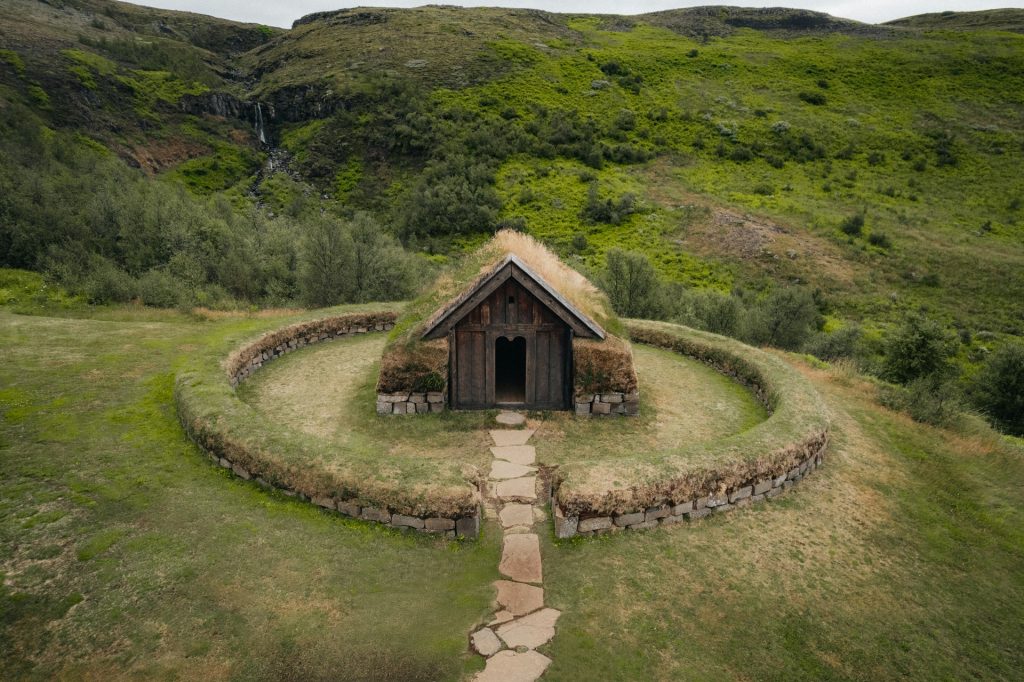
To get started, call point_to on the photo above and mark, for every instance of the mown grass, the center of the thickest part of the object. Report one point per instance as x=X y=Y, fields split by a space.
x=900 y=558
x=125 y=553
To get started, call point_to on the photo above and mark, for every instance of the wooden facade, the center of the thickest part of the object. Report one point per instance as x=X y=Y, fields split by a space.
x=510 y=342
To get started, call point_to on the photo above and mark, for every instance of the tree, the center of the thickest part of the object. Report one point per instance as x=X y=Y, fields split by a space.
x=998 y=389
x=632 y=284
x=326 y=275
x=919 y=348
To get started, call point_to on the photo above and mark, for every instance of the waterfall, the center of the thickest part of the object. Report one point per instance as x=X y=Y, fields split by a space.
x=259 y=123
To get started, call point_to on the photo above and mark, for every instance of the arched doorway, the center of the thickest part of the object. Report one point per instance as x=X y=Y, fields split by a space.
x=510 y=370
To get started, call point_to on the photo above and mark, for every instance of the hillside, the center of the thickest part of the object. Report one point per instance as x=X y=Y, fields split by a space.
x=738 y=150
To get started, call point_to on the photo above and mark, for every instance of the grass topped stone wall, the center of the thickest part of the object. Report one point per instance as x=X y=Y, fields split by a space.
x=360 y=478
x=658 y=488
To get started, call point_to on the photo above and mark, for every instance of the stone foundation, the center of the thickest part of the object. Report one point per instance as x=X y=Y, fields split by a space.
x=411 y=402
x=688 y=510
x=606 y=404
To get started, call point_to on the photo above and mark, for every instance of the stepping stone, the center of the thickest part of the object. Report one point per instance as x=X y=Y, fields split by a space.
x=517 y=489
x=500 y=617
x=519 y=599
x=509 y=666
x=486 y=642
x=510 y=418
x=517 y=454
x=504 y=437
x=500 y=470
x=515 y=514
x=520 y=558
x=530 y=631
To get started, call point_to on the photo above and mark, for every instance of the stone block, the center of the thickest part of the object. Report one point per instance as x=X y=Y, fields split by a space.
x=793 y=473
x=384 y=407
x=670 y=520
x=485 y=642
x=632 y=407
x=700 y=502
x=583 y=408
x=761 y=487
x=436 y=523
x=655 y=513
x=437 y=407
x=224 y=463
x=653 y=523
x=595 y=523
x=406 y=521
x=421 y=408
x=723 y=508
x=565 y=526
x=349 y=509
x=787 y=485
x=376 y=514
x=773 y=492
x=803 y=468
x=778 y=481
x=698 y=513
x=682 y=508
x=600 y=408
x=240 y=471
x=585 y=398
x=611 y=397
x=468 y=526
x=717 y=500
x=435 y=397
x=741 y=494
x=417 y=398
x=623 y=520
x=325 y=502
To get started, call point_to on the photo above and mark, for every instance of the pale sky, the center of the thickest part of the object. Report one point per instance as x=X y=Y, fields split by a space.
x=276 y=13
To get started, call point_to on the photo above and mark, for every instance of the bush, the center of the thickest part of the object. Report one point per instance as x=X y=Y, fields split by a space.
x=998 y=389
x=931 y=399
x=632 y=284
x=853 y=225
x=880 y=239
x=920 y=348
x=107 y=283
x=597 y=210
x=160 y=289
x=714 y=312
x=815 y=98
x=842 y=343
x=785 y=318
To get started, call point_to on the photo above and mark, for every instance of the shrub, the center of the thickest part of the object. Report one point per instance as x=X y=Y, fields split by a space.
x=815 y=98
x=998 y=389
x=741 y=154
x=714 y=312
x=932 y=399
x=107 y=283
x=692 y=53
x=631 y=283
x=842 y=343
x=597 y=210
x=879 y=239
x=160 y=289
x=919 y=348
x=785 y=318
x=853 y=225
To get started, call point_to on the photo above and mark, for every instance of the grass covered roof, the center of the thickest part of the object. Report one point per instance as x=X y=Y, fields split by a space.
x=411 y=363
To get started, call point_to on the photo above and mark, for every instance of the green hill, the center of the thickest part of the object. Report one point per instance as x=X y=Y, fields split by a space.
x=737 y=149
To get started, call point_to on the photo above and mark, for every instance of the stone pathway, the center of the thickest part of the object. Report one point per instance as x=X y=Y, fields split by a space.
x=522 y=623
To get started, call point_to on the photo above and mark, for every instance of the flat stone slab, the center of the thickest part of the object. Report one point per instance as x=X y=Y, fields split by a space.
x=510 y=418
x=515 y=514
x=504 y=437
x=520 y=558
x=517 y=489
x=500 y=617
x=517 y=454
x=509 y=666
x=501 y=470
x=530 y=631
x=519 y=599
x=485 y=642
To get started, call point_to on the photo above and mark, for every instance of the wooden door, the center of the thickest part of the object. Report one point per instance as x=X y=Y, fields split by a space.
x=469 y=367
x=550 y=369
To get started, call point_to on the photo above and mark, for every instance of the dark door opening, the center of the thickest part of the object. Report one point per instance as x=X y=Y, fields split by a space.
x=510 y=370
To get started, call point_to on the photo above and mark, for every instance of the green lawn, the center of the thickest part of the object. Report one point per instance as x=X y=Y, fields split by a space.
x=126 y=554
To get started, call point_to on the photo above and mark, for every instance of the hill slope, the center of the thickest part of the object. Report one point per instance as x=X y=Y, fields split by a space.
x=731 y=146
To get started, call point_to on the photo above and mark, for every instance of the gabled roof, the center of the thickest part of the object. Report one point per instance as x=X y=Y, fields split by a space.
x=511 y=267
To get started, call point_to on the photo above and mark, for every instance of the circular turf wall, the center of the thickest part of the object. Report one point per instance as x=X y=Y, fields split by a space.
x=374 y=488
x=648 y=489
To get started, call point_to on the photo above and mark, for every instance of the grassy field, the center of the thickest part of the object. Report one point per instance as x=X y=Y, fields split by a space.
x=903 y=557
x=126 y=554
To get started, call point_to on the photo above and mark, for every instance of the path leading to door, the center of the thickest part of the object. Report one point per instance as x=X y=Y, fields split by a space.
x=522 y=623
